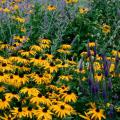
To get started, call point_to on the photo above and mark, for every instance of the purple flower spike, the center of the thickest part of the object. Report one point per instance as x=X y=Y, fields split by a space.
x=90 y=81
x=104 y=92
x=109 y=84
x=95 y=51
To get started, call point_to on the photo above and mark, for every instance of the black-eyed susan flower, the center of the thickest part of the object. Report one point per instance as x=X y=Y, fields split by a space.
x=86 y=117
x=97 y=66
x=52 y=67
x=51 y=7
x=12 y=95
x=83 y=10
x=31 y=91
x=7 y=117
x=106 y=28
x=68 y=96
x=28 y=111
x=18 y=112
x=4 y=103
x=27 y=53
x=36 y=48
x=44 y=41
x=6 y=10
x=40 y=99
x=92 y=44
x=63 y=88
x=62 y=109
x=2 y=88
x=43 y=113
x=68 y=1
x=98 y=76
x=66 y=47
x=96 y=113
x=71 y=1
x=66 y=77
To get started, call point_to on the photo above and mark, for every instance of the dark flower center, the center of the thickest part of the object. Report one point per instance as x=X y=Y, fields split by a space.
x=99 y=74
x=11 y=76
x=14 y=92
x=39 y=95
x=30 y=108
x=45 y=110
x=37 y=72
x=37 y=56
x=21 y=36
x=40 y=75
x=43 y=58
x=4 y=64
x=14 y=45
x=97 y=110
x=50 y=91
x=69 y=92
x=20 y=109
x=9 y=118
x=62 y=107
x=21 y=75
x=3 y=99
x=21 y=65
x=63 y=87
x=16 y=72
x=29 y=86
x=52 y=64
x=47 y=96
x=1 y=74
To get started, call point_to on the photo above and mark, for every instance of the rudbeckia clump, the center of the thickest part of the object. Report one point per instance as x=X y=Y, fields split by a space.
x=52 y=65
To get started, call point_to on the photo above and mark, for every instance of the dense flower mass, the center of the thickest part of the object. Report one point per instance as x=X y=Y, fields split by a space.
x=52 y=65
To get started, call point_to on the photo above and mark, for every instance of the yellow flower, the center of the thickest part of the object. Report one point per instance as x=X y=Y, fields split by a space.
x=6 y=10
x=68 y=96
x=63 y=51
x=1 y=87
x=16 y=7
x=7 y=117
x=28 y=112
x=20 y=19
x=3 y=1
x=10 y=96
x=106 y=28
x=23 y=29
x=51 y=8
x=86 y=117
x=83 y=10
x=68 y=1
x=40 y=99
x=66 y=77
x=98 y=76
x=83 y=54
x=44 y=41
x=30 y=91
x=112 y=67
x=63 y=88
x=18 y=112
x=36 y=48
x=92 y=44
x=65 y=47
x=71 y=1
x=4 y=103
x=43 y=113
x=96 y=66
x=115 y=53
x=52 y=67
x=96 y=113
x=62 y=109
